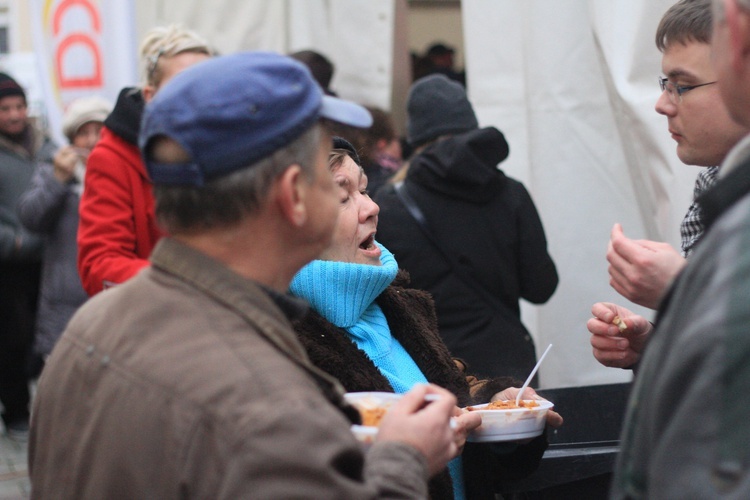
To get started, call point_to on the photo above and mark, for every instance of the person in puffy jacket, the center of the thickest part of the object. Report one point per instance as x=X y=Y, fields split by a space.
x=50 y=208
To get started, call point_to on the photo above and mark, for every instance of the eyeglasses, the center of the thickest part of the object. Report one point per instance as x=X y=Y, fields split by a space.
x=674 y=92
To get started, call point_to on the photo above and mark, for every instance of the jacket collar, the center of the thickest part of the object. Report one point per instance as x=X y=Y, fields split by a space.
x=727 y=191
x=245 y=298
x=733 y=185
x=125 y=119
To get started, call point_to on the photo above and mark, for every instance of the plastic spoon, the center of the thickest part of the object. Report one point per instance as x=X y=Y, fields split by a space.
x=531 y=375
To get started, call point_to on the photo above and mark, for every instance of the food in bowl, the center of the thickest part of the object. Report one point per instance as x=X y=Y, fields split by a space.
x=372 y=407
x=371 y=416
x=505 y=405
x=510 y=424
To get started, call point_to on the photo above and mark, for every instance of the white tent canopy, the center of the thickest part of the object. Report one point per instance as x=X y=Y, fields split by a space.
x=574 y=90
x=358 y=35
x=572 y=85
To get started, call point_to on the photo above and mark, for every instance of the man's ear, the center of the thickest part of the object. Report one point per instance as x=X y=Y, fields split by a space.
x=148 y=92
x=738 y=24
x=293 y=188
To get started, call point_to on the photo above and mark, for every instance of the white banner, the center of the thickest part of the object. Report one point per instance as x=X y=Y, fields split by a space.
x=83 y=48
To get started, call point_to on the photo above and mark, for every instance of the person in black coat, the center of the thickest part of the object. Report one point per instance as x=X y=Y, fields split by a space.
x=481 y=246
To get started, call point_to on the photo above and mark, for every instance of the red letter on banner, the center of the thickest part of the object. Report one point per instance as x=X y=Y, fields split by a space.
x=86 y=41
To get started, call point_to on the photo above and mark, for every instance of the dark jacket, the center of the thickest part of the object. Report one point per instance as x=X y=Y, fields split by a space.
x=17 y=165
x=411 y=318
x=377 y=176
x=489 y=224
x=686 y=430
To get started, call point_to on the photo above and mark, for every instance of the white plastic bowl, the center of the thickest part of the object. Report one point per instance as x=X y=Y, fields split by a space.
x=510 y=425
x=366 y=434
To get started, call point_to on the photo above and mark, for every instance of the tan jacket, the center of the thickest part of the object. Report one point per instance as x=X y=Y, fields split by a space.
x=187 y=381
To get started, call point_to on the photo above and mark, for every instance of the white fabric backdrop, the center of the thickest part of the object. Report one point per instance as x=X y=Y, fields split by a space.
x=357 y=35
x=572 y=85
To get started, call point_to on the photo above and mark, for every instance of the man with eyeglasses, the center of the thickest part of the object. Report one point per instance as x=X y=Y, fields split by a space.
x=699 y=122
x=687 y=430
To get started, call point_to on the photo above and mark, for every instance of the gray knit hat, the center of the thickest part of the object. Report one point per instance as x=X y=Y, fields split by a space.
x=84 y=110
x=437 y=106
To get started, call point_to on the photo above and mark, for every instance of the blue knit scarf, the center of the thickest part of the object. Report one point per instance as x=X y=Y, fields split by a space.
x=344 y=293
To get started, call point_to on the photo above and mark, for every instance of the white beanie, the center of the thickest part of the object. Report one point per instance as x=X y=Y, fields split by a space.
x=82 y=111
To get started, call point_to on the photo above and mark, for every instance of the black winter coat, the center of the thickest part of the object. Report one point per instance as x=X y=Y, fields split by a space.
x=490 y=225
x=411 y=318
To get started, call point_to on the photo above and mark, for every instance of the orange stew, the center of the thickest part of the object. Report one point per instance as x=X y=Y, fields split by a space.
x=506 y=405
x=372 y=416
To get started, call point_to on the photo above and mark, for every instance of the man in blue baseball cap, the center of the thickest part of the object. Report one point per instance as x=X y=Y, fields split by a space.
x=188 y=381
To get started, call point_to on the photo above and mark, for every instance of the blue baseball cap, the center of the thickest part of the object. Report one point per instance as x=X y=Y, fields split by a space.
x=231 y=111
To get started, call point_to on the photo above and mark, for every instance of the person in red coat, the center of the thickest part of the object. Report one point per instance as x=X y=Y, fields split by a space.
x=117 y=228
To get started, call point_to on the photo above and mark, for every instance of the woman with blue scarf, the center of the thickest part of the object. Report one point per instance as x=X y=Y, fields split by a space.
x=372 y=332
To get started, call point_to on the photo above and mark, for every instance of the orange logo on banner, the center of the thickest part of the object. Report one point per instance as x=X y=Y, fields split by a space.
x=80 y=40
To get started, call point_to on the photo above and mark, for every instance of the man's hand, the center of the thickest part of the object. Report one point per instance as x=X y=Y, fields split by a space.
x=425 y=425
x=641 y=270
x=613 y=346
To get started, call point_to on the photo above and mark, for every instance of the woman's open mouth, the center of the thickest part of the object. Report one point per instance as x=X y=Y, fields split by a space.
x=368 y=243
x=370 y=250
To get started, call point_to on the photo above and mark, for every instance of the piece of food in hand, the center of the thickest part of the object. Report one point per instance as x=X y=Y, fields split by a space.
x=619 y=323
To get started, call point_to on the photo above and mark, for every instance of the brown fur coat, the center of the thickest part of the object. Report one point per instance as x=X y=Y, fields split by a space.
x=411 y=318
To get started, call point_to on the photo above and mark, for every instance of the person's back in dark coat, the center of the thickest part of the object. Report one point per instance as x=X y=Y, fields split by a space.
x=489 y=226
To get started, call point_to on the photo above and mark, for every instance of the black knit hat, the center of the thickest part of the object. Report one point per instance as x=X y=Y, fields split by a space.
x=437 y=106
x=341 y=143
x=8 y=87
